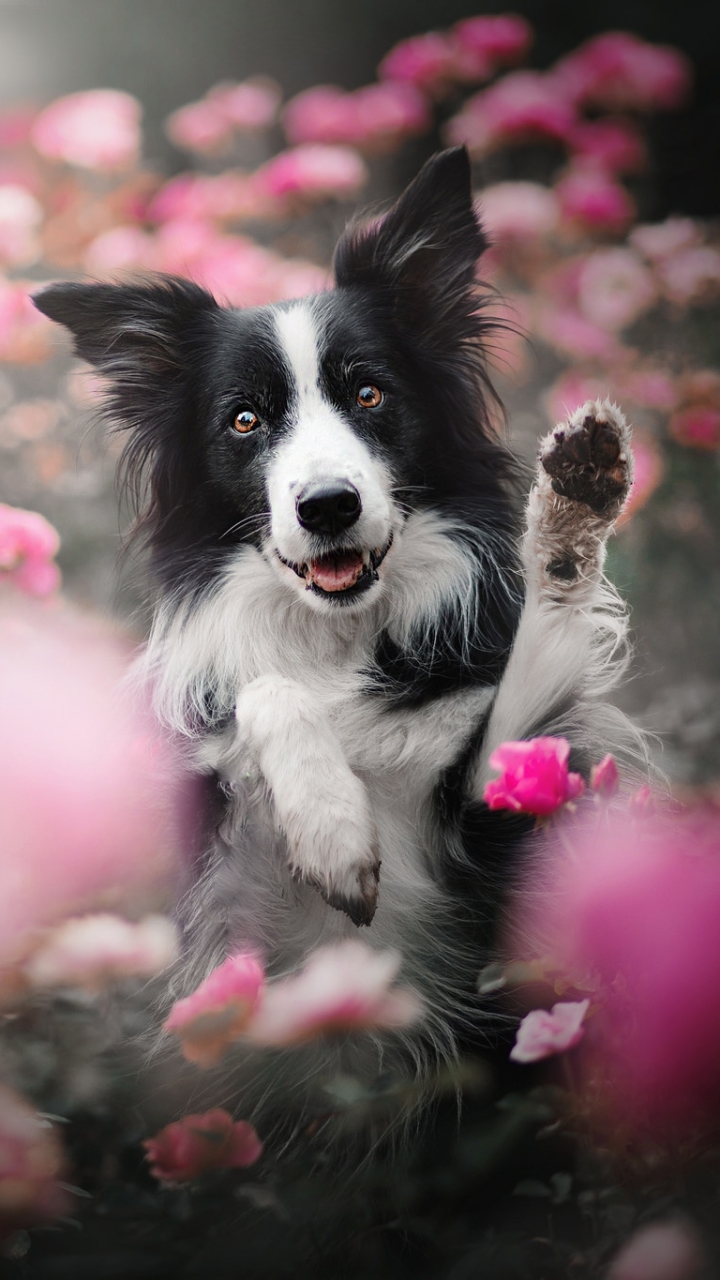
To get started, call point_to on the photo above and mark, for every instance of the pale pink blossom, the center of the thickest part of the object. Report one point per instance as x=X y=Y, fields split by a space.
x=20 y=218
x=428 y=61
x=199 y=126
x=219 y=1011
x=518 y=211
x=534 y=776
x=96 y=129
x=497 y=39
x=26 y=336
x=619 y=71
x=661 y=1251
x=697 y=425
x=16 y=122
x=591 y=198
x=376 y=117
x=195 y=197
x=313 y=172
x=196 y=1144
x=659 y=240
x=124 y=248
x=616 y=145
x=571 y=333
x=542 y=1034
x=691 y=274
x=28 y=546
x=522 y=106
x=92 y=951
x=604 y=777
x=342 y=988
x=250 y=105
x=31 y=1165
x=615 y=287
x=650 y=387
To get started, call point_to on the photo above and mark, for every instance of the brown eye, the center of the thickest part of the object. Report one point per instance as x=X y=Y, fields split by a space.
x=245 y=421
x=369 y=397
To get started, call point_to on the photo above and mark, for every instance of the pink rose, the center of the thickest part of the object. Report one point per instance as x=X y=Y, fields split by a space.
x=198 y=1143
x=534 y=777
x=97 y=129
x=219 y=1011
x=28 y=546
x=541 y=1034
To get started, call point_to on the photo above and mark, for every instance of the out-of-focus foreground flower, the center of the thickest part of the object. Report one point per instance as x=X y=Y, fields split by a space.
x=31 y=1163
x=28 y=546
x=196 y=1144
x=219 y=1011
x=542 y=1034
x=534 y=777
x=92 y=951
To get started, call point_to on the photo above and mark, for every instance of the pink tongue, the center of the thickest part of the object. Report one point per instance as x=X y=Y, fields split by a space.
x=337 y=573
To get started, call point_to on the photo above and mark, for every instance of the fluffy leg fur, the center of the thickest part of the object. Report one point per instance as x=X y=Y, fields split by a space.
x=572 y=624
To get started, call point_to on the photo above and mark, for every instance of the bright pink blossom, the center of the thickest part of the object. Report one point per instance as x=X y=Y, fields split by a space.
x=428 y=61
x=619 y=71
x=604 y=777
x=534 y=776
x=591 y=198
x=615 y=287
x=616 y=145
x=197 y=1144
x=28 y=546
x=124 y=248
x=648 y=471
x=542 y=1034
x=222 y=197
x=376 y=117
x=31 y=1164
x=250 y=105
x=697 y=425
x=495 y=39
x=96 y=129
x=92 y=951
x=313 y=172
x=524 y=105
x=343 y=988
x=219 y=1011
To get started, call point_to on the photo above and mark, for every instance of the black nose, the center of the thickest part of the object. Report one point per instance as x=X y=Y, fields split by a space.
x=328 y=506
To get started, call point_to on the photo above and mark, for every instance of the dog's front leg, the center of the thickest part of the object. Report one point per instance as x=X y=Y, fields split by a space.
x=320 y=806
x=570 y=626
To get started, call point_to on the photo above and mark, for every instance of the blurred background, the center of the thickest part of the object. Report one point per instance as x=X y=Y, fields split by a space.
x=662 y=323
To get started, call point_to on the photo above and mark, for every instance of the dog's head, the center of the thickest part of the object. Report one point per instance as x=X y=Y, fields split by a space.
x=310 y=428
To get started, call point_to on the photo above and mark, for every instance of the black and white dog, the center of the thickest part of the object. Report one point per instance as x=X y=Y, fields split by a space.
x=348 y=620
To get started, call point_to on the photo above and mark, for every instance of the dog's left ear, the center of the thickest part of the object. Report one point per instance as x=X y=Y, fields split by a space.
x=424 y=251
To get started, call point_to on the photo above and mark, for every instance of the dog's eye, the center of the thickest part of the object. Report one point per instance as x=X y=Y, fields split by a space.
x=245 y=421
x=369 y=397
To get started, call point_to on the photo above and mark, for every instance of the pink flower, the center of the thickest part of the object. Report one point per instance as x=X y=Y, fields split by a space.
x=28 y=546
x=590 y=197
x=542 y=1034
x=697 y=425
x=534 y=777
x=31 y=1162
x=615 y=287
x=20 y=218
x=523 y=105
x=619 y=71
x=648 y=471
x=93 y=951
x=616 y=145
x=518 y=211
x=249 y=106
x=660 y=240
x=660 y=1251
x=343 y=988
x=26 y=336
x=125 y=248
x=691 y=274
x=376 y=117
x=650 y=387
x=604 y=777
x=572 y=388
x=427 y=61
x=196 y=1144
x=97 y=129
x=199 y=126
x=219 y=1011
x=496 y=39
x=571 y=333
x=313 y=172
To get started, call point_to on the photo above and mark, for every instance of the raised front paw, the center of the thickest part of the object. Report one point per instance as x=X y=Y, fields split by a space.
x=342 y=868
x=589 y=459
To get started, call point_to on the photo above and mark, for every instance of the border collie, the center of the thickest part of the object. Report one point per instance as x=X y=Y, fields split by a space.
x=347 y=620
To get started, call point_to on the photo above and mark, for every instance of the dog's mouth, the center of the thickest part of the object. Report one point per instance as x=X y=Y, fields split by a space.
x=341 y=574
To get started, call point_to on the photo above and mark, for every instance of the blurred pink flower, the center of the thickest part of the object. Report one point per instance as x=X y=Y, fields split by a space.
x=523 y=105
x=228 y=196
x=590 y=197
x=97 y=808
x=28 y=546
x=650 y=387
x=125 y=248
x=196 y=1144
x=376 y=117
x=497 y=39
x=660 y=1251
x=250 y=105
x=199 y=126
x=697 y=425
x=518 y=210
x=31 y=1162
x=313 y=172
x=219 y=1011
x=96 y=129
x=691 y=274
x=659 y=240
x=571 y=333
x=615 y=287
x=648 y=471
x=604 y=777
x=542 y=1034
x=534 y=776
x=26 y=336
x=572 y=388
x=16 y=122
x=342 y=988
x=92 y=951
x=20 y=218
x=616 y=145
x=619 y=71
x=427 y=61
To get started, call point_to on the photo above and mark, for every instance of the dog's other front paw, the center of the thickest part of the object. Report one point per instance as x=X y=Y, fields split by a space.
x=341 y=862
x=589 y=459
x=353 y=890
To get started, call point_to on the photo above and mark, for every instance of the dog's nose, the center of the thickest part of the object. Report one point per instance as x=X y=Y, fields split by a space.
x=328 y=506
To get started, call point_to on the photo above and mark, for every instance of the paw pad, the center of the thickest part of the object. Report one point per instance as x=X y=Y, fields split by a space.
x=589 y=459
